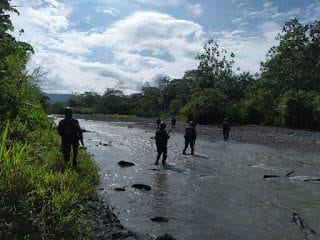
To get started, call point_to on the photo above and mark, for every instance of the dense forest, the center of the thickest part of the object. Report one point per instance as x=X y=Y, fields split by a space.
x=285 y=93
x=41 y=197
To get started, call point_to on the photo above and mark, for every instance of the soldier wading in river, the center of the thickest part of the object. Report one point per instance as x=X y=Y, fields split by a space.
x=161 y=142
x=190 y=136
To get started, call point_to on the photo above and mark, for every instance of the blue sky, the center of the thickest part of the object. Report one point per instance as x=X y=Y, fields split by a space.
x=84 y=45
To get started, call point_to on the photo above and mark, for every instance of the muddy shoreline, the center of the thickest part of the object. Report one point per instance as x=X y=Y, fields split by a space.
x=276 y=137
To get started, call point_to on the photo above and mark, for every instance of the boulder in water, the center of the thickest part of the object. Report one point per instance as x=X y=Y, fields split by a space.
x=125 y=164
x=270 y=176
x=142 y=186
x=165 y=237
x=159 y=219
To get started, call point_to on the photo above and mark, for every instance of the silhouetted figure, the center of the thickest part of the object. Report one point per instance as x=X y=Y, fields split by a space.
x=173 y=122
x=70 y=132
x=226 y=129
x=190 y=136
x=161 y=142
x=158 y=122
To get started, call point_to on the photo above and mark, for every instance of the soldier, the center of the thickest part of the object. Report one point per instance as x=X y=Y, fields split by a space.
x=225 y=129
x=173 y=122
x=189 y=137
x=161 y=142
x=158 y=122
x=70 y=132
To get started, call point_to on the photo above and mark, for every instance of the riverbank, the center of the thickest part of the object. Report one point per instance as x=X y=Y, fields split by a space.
x=263 y=135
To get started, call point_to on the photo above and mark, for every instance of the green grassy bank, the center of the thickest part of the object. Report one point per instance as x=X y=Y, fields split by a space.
x=41 y=196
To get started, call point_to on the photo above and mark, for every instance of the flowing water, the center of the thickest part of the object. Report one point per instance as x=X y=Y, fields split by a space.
x=218 y=193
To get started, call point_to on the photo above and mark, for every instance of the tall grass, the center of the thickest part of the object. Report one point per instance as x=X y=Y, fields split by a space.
x=41 y=196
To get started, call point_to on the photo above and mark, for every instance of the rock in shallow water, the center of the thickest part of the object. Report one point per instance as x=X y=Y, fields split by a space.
x=165 y=237
x=142 y=186
x=125 y=164
x=159 y=219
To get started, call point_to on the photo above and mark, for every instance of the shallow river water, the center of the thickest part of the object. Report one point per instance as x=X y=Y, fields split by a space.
x=218 y=193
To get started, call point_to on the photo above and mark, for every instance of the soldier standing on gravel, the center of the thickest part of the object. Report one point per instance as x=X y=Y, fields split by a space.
x=158 y=122
x=226 y=129
x=173 y=122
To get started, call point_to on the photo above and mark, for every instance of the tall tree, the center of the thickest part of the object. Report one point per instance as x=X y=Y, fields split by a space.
x=215 y=65
x=295 y=62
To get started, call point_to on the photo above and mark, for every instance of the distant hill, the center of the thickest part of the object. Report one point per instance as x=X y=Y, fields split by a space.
x=57 y=97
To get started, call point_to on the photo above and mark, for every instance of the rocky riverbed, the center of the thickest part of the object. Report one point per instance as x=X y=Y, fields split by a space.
x=107 y=224
x=263 y=135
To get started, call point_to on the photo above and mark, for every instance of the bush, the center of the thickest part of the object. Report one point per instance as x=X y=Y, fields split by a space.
x=300 y=109
x=40 y=194
x=206 y=106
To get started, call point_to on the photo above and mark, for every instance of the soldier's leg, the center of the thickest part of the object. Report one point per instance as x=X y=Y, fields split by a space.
x=75 y=154
x=158 y=156
x=192 y=146
x=164 y=155
x=186 y=143
x=66 y=152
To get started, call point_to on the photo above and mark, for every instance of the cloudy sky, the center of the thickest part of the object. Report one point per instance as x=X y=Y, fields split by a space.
x=91 y=45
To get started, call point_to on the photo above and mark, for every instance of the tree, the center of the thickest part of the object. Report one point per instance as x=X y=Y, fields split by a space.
x=5 y=22
x=20 y=96
x=295 y=62
x=214 y=66
x=300 y=109
x=206 y=106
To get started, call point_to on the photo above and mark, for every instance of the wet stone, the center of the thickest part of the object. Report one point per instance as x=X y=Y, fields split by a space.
x=142 y=187
x=159 y=219
x=270 y=176
x=165 y=237
x=125 y=164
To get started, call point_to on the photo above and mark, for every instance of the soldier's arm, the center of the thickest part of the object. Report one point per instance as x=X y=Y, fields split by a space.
x=60 y=128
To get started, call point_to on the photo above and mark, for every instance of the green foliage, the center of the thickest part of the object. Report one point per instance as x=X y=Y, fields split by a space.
x=294 y=63
x=214 y=66
x=57 y=108
x=300 y=109
x=207 y=106
x=175 y=106
x=39 y=193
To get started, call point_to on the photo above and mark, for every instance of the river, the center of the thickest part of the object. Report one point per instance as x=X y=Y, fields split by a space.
x=218 y=193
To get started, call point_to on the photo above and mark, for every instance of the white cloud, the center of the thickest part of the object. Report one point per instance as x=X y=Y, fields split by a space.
x=161 y=2
x=150 y=31
x=249 y=48
x=144 y=45
x=195 y=9
x=108 y=10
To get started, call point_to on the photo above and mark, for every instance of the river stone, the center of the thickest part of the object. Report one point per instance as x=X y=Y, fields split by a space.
x=165 y=237
x=142 y=186
x=159 y=219
x=125 y=164
x=270 y=176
